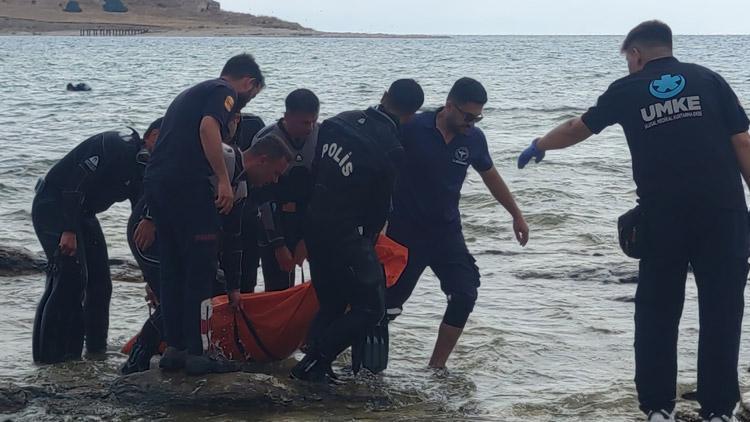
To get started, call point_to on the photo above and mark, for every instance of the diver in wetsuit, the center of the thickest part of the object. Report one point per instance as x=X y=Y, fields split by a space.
x=356 y=162
x=102 y=170
x=249 y=126
x=283 y=205
x=79 y=87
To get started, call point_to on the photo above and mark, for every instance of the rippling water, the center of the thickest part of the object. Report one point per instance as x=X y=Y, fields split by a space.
x=551 y=337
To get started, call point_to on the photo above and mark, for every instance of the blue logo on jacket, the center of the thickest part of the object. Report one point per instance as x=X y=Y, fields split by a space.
x=667 y=86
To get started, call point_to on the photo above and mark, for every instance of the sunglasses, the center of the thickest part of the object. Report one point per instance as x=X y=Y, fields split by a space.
x=469 y=117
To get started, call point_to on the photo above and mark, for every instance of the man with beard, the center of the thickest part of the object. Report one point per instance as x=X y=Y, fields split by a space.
x=440 y=147
x=183 y=203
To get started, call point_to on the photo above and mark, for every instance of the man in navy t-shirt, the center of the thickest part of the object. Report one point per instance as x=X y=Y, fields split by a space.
x=689 y=141
x=440 y=147
x=183 y=202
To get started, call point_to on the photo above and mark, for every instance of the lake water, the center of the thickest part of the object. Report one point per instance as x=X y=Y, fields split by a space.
x=551 y=337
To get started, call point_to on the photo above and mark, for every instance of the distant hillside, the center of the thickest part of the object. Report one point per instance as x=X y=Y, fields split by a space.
x=160 y=16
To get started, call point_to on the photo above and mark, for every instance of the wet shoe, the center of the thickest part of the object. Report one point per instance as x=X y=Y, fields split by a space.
x=202 y=365
x=660 y=416
x=172 y=359
x=311 y=369
x=720 y=418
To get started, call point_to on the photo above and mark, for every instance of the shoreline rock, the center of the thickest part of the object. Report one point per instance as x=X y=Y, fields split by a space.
x=266 y=389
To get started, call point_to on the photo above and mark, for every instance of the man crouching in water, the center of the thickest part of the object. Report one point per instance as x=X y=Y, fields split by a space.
x=357 y=157
x=102 y=170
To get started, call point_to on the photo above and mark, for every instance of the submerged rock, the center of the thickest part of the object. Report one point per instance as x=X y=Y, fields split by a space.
x=15 y=261
x=20 y=261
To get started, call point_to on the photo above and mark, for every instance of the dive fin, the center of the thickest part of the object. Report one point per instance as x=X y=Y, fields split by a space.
x=375 y=348
x=58 y=325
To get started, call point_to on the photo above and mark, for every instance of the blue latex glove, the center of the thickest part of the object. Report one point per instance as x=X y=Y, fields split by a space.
x=531 y=152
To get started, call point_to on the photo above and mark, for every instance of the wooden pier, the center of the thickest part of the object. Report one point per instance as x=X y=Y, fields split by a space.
x=112 y=32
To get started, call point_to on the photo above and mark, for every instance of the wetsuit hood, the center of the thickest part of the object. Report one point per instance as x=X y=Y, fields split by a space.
x=143 y=154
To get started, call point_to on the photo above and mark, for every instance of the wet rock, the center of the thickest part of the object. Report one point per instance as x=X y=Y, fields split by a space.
x=13 y=399
x=19 y=261
x=242 y=390
x=15 y=261
x=686 y=417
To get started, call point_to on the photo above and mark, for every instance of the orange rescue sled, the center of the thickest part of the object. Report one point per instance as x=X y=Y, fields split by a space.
x=271 y=326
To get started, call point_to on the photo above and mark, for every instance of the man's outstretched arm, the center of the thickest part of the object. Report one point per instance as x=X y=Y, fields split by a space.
x=567 y=134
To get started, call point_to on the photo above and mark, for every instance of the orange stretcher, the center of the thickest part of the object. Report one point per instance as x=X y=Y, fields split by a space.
x=271 y=326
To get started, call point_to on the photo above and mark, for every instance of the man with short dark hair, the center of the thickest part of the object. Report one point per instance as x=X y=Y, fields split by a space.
x=183 y=203
x=356 y=160
x=102 y=170
x=283 y=205
x=690 y=147
x=440 y=147
x=230 y=251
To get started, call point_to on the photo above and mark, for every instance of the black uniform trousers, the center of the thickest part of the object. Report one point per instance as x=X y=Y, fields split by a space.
x=715 y=243
x=187 y=225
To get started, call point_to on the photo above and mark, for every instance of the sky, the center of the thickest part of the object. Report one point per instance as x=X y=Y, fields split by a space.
x=495 y=17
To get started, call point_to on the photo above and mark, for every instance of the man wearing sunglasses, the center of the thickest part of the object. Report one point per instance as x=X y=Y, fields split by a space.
x=102 y=170
x=440 y=147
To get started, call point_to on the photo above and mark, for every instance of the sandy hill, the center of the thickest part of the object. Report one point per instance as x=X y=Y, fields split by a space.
x=200 y=17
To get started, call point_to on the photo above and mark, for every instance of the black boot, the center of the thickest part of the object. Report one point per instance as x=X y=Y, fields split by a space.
x=312 y=368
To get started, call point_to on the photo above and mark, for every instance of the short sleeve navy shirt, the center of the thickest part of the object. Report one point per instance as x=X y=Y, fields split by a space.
x=178 y=155
x=428 y=186
x=678 y=119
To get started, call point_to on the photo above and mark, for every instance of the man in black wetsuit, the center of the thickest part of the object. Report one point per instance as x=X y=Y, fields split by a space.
x=356 y=163
x=690 y=147
x=102 y=170
x=283 y=205
x=183 y=203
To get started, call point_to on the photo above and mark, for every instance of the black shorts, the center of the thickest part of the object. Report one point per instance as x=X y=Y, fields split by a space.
x=445 y=252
